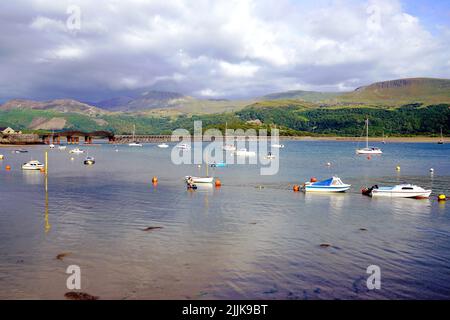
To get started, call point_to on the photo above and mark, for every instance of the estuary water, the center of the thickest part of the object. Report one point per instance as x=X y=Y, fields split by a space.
x=252 y=238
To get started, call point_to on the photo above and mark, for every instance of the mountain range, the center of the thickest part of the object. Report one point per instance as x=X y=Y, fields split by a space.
x=69 y=113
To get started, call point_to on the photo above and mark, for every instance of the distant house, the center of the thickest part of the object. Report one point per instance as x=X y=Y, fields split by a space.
x=255 y=121
x=9 y=130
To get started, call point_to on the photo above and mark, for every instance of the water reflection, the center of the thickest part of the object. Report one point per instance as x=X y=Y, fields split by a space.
x=334 y=202
x=413 y=207
x=32 y=177
x=47 y=225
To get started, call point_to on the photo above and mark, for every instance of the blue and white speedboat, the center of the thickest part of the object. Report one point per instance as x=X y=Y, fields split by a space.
x=333 y=184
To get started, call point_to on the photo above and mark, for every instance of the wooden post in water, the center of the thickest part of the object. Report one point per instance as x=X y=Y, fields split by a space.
x=46 y=171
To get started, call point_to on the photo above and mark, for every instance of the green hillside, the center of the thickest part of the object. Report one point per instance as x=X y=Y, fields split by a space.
x=400 y=92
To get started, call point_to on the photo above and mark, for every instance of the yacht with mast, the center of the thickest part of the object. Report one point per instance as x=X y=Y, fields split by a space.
x=134 y=143
x=367 y=149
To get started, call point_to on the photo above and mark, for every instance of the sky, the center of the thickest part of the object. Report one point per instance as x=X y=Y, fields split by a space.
x=95 y=50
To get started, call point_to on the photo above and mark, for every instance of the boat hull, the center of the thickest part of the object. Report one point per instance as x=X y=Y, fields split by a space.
x=369 y=151
x=401 y=194
x=342 y=188
x=201 y=179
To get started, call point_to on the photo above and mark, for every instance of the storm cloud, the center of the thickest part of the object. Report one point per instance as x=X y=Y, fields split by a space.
x=211 y=49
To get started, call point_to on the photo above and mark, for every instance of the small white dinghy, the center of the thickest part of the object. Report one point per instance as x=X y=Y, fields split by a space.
x=184 y=146
x=163 y=145
x=62 y=147
x=76 y=150
x=32 y=165
x=280 y=146
x=398 y=191
x=333 y=184
x=51 y=146
x=244 y=153
x=135 y=144
x=229 y=147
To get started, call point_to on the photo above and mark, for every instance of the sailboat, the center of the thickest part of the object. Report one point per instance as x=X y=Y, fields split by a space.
x=367 y=149
x=134 y=143
x=441 y=141
x=228 y=147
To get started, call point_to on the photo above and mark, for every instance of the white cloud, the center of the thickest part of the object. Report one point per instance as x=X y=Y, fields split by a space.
x=214 y=48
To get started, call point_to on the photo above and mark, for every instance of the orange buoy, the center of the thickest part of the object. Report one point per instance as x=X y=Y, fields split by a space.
x=218 y=183
x=42 y=170
x=154 y=180
x=296 y=188
x=8 y=168
x=313 y=179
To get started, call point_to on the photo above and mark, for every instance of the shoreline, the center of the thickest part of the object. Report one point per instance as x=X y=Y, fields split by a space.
x=417 y=139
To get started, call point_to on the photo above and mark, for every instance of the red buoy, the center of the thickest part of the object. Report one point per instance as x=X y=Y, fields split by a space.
x=218 y=183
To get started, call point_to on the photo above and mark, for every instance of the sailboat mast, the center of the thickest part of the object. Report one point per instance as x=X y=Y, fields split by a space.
x=367 y=133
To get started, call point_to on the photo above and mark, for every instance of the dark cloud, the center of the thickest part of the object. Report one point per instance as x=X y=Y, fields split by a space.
x=229 y=49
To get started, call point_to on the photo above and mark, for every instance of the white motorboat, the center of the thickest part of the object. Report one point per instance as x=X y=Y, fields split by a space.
x=398 y=191
x=199 y=179
x=163 y=145
x=280 y=146
x=62 y=147
x=76 y=151
x=184 y=146
x=51 y=146
x=244 y=153
x=367 y=149
x=33 y=165
x=333 y=184
x=20 y=151
x=229 y=147
x=89 y=161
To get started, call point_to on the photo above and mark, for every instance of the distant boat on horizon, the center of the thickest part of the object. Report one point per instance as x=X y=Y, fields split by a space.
x=441 y=141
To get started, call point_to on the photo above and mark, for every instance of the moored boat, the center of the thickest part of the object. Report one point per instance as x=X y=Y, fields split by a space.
x=20 y=151
x=367 y=149
x=32 y=165
x=76 y=150
x=184 y=146
x=280 y=146
x=398 y=191
x=62 y=147
x=191 y=179
x=135 y=144
x=244 y=153
x=334 y=184
x=89 y=161
x=163 y=145
x=218 y=165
